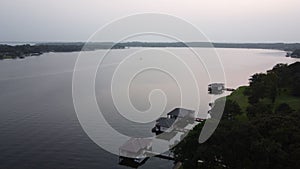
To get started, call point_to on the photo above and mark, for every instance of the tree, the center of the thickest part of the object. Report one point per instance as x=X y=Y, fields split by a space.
x=269 y=139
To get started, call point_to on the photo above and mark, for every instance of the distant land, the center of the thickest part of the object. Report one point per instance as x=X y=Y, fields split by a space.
x=296 y=54
x=279 y=46
x=21 y=51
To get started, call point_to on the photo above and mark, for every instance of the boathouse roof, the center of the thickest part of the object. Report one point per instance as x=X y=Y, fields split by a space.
x=180 y=112
x=134 y=145
x=165 y=122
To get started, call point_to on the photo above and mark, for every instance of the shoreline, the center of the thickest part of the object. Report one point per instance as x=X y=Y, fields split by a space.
x=10 y=51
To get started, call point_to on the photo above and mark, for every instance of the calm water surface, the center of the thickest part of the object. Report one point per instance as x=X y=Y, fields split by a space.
x=38 y=124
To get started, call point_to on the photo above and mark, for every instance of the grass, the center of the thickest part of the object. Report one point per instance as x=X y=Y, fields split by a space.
x=239 y=97
x=286 y=97
x=8 y=57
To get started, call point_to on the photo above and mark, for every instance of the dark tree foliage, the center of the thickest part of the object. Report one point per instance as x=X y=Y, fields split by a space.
x=231 y=110
x=263 y=85
x=269 y=139
x=257 y=109
x=296 y=53
x=284 y=108
x=22 y=51
x=280 y=46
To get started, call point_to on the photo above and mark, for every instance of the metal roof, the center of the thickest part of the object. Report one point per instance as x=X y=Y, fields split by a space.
x=165 y=122
x=134 y=145
x=180 y=112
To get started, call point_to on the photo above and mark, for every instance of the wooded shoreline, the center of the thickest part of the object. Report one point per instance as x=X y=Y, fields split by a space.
x=22 y=51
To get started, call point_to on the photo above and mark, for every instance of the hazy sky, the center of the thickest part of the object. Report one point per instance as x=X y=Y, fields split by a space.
x=220 y=20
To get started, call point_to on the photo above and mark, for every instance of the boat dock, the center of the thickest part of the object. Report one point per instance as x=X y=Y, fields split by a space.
x=218 y=88
x=162 y=156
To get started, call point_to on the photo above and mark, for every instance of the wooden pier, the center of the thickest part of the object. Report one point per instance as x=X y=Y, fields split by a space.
x=162 y=156
x=230 y=89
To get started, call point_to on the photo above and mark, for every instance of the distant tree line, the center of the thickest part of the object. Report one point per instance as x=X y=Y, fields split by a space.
x=296 y=54
x=279 y=46
x=21 y=51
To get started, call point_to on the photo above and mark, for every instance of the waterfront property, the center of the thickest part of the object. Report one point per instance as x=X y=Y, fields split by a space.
x=177 y=118
x=49 y=99
x=163 y=124
x=216 y=88
x=135 y=149
x=181 y=113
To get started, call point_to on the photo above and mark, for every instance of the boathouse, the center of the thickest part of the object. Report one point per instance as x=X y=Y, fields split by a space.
x=216 y=88
x=135 y=149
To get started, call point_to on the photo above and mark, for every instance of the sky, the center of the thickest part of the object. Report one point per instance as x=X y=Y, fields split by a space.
x=219 y=20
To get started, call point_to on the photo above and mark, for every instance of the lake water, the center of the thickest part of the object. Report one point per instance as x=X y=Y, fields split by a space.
x=38 y=124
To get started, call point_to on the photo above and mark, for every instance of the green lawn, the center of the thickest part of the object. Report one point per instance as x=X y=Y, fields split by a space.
x=284 y=97
x=239 y=97
x=7 y=57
